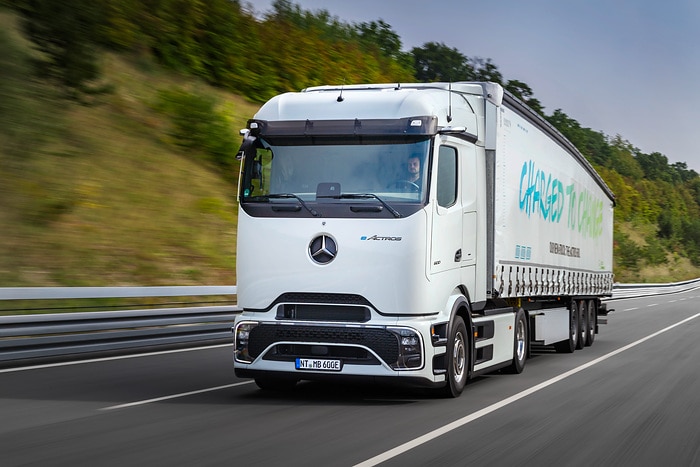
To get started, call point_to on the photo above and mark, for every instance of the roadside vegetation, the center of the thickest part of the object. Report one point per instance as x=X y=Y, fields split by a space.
x=118 y=136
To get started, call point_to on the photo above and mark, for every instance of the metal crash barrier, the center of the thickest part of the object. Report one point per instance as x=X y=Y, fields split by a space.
x=72 y=333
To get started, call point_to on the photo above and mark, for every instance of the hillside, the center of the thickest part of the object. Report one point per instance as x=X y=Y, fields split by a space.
x=106 y=191
x=97 y=195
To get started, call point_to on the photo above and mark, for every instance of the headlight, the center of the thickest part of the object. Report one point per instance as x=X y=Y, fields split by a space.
x=410 y=349
x=240 y=341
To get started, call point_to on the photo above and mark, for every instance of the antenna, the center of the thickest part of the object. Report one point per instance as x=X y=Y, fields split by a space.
x=340 y=96
x=449 y=109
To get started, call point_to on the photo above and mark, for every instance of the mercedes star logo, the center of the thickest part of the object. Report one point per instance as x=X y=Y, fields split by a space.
x=323 y=249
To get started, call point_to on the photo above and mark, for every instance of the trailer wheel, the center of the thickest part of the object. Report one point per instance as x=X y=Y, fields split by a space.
x=591 y=312
x=520 y=343
x=457 y=359
x=582 y=325
x=275 y=383
x=569 y=345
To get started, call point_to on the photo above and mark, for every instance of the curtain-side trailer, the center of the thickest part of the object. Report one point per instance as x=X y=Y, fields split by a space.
x=413 y=233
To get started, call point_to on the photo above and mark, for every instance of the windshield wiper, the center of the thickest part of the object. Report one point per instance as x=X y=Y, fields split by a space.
x=370 y=196
x=289 y=196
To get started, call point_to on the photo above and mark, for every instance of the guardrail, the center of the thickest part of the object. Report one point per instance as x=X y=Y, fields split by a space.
x=25 y=338
x=621 y=291
x=32 y=337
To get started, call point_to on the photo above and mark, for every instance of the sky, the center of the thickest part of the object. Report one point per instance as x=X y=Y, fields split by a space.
x=622 y=67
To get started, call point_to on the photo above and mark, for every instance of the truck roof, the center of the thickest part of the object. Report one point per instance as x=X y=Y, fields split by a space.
x=382 y=101
x=454 y=104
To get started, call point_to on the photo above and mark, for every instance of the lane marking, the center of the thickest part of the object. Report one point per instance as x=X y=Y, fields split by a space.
x=108 y=359
x=509 y=400
x=174 y=396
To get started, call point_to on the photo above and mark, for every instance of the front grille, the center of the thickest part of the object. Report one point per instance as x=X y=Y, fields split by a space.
x=310 y=312
x=382 y=342
x=289 y=352
x=337 y=298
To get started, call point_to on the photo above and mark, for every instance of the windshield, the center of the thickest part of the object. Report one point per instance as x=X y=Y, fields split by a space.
x=395 y=172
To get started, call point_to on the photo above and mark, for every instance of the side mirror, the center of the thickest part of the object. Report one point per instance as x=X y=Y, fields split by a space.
x=247 y=146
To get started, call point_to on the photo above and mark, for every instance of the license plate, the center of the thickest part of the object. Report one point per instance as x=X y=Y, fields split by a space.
x=318 y=364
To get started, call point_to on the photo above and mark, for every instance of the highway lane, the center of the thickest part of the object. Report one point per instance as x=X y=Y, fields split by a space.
x=636 y=403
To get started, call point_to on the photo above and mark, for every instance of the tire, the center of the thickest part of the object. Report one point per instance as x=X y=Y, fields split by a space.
x=520 y=343
x=457 y=359
x=582 y=325
x=591 y=312
x=569 y=345
x=275 y=383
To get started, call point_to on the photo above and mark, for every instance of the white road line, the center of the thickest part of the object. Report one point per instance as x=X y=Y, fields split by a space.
x=174 y=396
x=492 y=408
x=653 y=304
x=107 y=359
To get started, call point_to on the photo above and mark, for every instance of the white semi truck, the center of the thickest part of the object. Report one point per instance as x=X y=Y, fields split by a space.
x=413 y=233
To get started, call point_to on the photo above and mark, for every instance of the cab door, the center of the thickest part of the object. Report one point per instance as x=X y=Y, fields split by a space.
x=446 y=236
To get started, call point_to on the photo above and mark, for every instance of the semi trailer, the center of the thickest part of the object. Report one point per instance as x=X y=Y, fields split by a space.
x=417 y=233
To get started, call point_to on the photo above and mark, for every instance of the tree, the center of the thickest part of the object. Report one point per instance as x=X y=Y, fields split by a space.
x=685 y=174
x=321 y=22
x=627 y=253
x=622 y=159
x=523 y=92
x=655 y=166
x=691 y=238
x=669 y=225
x=380 y=35
x=438 y=62
x=485 y=70
x=65 y=33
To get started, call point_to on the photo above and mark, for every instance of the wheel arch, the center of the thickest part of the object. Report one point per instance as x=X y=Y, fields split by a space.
x=461 y=306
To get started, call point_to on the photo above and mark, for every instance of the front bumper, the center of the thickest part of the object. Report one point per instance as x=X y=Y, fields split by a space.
x=391 y=351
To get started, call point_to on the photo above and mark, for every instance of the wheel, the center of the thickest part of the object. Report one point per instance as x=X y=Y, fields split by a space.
x=582 y=325
x=275 y=383
x=591 y=312
x=405 y=185
x=520 y=344
x=569 y=345
x=457 y=359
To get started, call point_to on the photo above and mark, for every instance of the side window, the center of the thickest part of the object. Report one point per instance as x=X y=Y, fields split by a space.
x=447 y=176
x=258 y=174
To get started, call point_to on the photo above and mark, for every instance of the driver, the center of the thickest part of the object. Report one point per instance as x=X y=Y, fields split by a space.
x=413 y=170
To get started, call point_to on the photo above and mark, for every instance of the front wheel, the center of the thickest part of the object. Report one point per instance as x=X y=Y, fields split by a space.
x=457 y=359
x=520 y=344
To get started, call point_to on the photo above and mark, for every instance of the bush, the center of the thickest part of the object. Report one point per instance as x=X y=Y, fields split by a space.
x=654 y=251
x=197 y=124
x=627 y=253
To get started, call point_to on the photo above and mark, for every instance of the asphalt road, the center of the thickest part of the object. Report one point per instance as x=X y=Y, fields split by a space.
x=633 y=398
